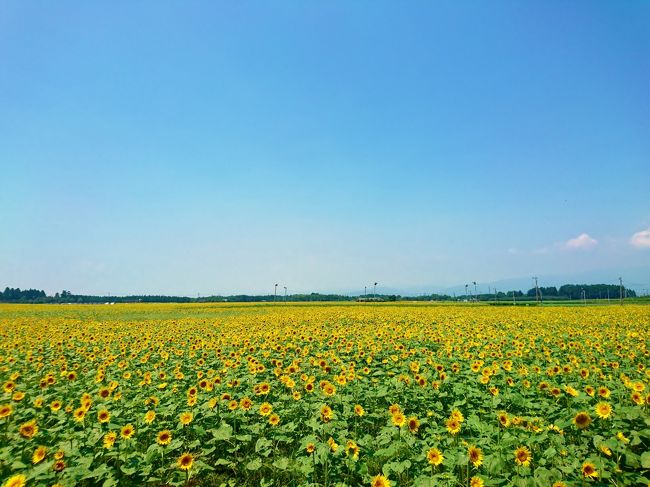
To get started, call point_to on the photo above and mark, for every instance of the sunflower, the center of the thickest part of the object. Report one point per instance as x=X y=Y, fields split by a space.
x=475 y=456
x=127 y=431
x=334 y=446
x=109 y=439
x=18 y=480
x=358 y=410
x=326 y=414
x=310 y=448
x=5 y=410
x=329 y=389
x=476 y=482
x=604 y=392
x=352 y=447
x=274 y=419
x=504 y=419
x=39 y=454
x=265 y=409
x=637 y=398
x=621 y=437
x=28 y=429
x=589 y=470
x=394 y=408
x=164 y=437
x=398 y=419
x=79 y=414
x=185 y=461
x=264 y=388
x=435 y=457
x=56 y=405
x=413 y=424
x=232 y=405
x=606 y=450
x=453 y=426
x=380 y=481
x=58 y=466
x=571 y=391
x=149 y=416
x=457 y=415
x=603 y=410
x=185 y=418
x=582 y=420
x=523 y=456
x=246 y=404
x=103 y=416
x=558 y=483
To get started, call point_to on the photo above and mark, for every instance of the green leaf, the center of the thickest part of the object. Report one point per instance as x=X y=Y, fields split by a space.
x=263 y=446
x=281 y=463
x=254 y=464
x=224 y=432
x=645 y=459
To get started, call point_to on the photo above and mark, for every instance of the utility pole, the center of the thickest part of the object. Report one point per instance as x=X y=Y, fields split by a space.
x=275 y=292
x=584 y=297
x=475 y=293
x=466 y=292
x=536 y=290
x=365 y=291
x=620 y=282
x=608 y=301
x=285 y=294
x=495 y=294
x=374 y=294
x=514 y=299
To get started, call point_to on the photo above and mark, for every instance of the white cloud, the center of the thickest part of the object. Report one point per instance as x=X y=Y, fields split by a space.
x=582 y=241
x=641 y=240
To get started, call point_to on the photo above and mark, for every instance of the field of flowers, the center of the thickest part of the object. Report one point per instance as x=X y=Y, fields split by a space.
x=353 y=394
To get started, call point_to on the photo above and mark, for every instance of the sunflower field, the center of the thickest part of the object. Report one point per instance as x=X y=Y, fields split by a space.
x=324 y=395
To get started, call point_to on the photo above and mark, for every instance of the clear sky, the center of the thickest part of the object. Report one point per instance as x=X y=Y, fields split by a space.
x=221 y=147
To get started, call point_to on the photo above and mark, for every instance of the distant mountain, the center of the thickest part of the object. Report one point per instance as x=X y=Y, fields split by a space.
x=637 y=278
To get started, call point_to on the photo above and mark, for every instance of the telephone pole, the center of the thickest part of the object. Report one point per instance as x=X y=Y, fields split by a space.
x=620 y=282
x=536 y=290
x=275 y=293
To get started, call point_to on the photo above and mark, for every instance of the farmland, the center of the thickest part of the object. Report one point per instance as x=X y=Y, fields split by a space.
x=347 y=394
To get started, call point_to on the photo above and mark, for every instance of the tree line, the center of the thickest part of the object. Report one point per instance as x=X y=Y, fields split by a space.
x=565 y=292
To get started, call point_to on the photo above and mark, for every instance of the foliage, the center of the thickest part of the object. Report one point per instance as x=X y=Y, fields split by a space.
x=349 y=394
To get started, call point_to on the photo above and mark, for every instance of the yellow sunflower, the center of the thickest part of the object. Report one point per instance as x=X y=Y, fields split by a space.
x=185 y=461
x=435 y=457
x=523 y=456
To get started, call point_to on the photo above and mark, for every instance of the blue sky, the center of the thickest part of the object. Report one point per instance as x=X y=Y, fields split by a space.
x=168 y=147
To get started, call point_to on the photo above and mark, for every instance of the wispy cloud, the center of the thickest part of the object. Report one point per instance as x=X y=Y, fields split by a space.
x=641 y=240
x=582 y=241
